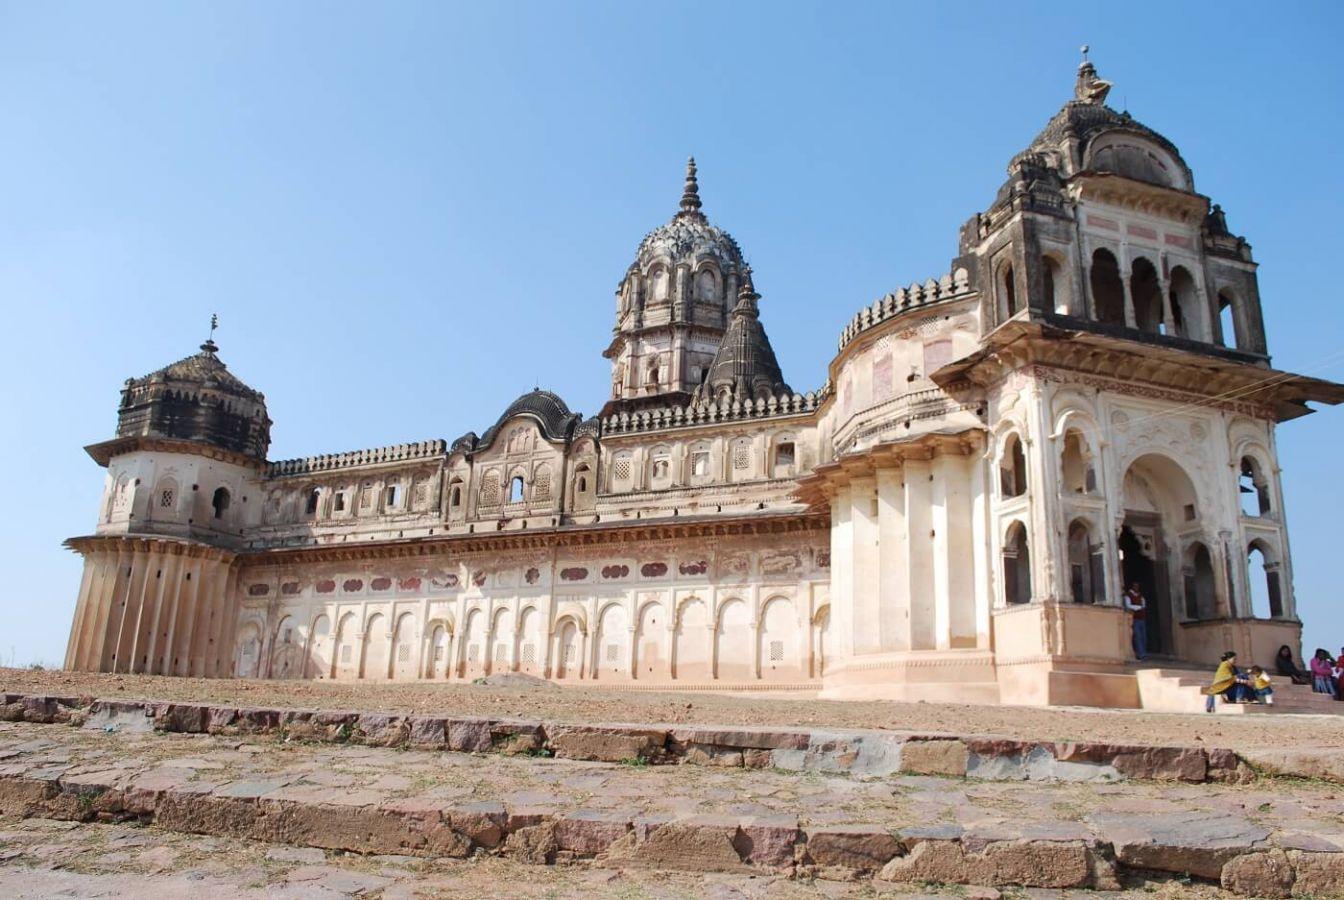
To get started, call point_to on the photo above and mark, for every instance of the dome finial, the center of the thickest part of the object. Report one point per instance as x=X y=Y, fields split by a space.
x=690 y=195
x=210 y=346
x=1089 y=88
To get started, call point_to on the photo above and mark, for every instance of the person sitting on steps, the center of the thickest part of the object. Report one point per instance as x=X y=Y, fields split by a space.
x=1261 y=686
x=1228 y=682
x=1288 y=667
x=1323 y=672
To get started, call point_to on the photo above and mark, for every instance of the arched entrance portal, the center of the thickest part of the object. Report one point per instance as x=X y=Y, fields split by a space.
x=1160 y=507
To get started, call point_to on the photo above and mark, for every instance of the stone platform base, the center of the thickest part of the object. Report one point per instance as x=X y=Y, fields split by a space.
x=532 y=809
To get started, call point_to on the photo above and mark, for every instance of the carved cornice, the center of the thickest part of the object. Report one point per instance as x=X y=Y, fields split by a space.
x=1140 y=196
x=682 y=528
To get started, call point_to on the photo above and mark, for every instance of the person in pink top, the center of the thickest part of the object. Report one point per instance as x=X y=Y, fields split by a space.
x=1323 y=672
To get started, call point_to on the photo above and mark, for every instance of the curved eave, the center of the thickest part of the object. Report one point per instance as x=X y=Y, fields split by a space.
x=104 y=451
x=1212 y=375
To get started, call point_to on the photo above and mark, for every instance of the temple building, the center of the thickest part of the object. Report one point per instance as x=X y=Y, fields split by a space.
x=1084 y=400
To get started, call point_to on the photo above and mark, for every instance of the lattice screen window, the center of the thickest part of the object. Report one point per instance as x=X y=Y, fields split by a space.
x=289 y=636
x=345 y=654
x=621 y=469
x=541 y=484
x=776 y=651
x=490 y=488
x=438 y=653
x=501 y=653
x=529 y=654
x=473 y=653
x=366 y=496
x=570 y=652
x=166 y=498
x=249 y=648
x=421 y=494
x=403 y=653
x=741 y=457
x=613 y=652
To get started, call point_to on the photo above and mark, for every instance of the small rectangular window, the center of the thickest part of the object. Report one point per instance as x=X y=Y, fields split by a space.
x=339 y=502
x=776 y=651
x=473 y=653
x=529 y=653
x=700 y=463
x=501 y=653
x=403 y=653
x=391 y=495
x=345 y=654
x=613 y=652
x=438 y=653
x=741 y=457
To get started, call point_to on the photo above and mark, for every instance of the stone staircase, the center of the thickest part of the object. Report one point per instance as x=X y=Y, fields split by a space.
x=1175 y=688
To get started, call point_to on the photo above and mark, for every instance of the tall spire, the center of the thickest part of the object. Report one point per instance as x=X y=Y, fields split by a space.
x=210 y=346
x=690 y=195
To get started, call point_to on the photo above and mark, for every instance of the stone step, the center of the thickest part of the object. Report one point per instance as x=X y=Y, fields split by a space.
x=444 y=804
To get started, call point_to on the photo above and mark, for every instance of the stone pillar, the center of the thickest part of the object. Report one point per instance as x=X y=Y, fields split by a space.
x=983 y=585
x=842 y=566
x=893 y=585
x=919 y=524
x=865 y=588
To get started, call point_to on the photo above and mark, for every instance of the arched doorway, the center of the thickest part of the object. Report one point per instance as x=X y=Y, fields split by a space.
x=1160 y=503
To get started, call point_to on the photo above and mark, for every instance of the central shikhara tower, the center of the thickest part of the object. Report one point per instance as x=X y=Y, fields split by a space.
x=1084 y=401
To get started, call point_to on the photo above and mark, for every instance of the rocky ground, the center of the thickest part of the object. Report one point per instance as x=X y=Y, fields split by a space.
x=41 y=858
x=587 y=704
x=596 y=823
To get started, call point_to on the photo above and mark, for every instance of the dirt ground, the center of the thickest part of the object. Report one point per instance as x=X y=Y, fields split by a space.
x=587 y=704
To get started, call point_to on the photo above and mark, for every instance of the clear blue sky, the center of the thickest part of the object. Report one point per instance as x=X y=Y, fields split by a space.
x=407 y=214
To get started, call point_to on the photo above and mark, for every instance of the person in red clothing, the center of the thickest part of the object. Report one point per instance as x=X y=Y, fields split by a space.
x=1138 y=607
x=1339 y=675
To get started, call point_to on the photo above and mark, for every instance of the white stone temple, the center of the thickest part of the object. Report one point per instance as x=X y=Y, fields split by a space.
x=1083 y=401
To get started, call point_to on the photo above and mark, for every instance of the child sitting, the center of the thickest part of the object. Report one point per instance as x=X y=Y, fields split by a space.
x=1261 y=686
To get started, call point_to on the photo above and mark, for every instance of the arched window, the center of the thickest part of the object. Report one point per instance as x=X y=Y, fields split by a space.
x=1056 y=287
x=310 y=505
x=1013 y=468
x=516 y=489
x=1227 y=318
x=1016 y=565
x=784 y=459
x=1085 y=565
x=220 y=502
x=582 y=475
x=1146 y=292
x=1184 y=304
x=1008 y=284
x=1253 y=488
x=455 y=494
x=1199 y=584
x=1076 y=463
x=1108 y=292
x=1262 y=576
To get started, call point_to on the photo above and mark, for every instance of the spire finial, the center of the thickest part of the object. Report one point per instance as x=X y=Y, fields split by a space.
x=209 y=346
x=1085 y=48
x=690 y=195
x=1089 y=88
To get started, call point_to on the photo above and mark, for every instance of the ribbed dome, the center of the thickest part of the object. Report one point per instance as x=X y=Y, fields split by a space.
x=689 y=234
x=745 y=365
x=196 y=399
x=546 y=408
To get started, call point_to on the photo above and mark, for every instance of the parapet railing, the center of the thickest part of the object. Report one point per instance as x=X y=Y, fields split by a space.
x=904 y=299
x=714 y=412
x=328 y=461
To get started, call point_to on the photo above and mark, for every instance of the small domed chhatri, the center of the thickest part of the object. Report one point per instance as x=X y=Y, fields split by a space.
x=1081 y=404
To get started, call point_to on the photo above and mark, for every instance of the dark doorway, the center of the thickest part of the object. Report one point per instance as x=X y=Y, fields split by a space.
x=1142 y=560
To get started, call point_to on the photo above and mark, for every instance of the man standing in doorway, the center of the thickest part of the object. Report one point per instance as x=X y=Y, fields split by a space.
x=1138 y=606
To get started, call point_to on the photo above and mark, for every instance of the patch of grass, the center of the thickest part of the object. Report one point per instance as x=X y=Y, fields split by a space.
x=637 y=761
